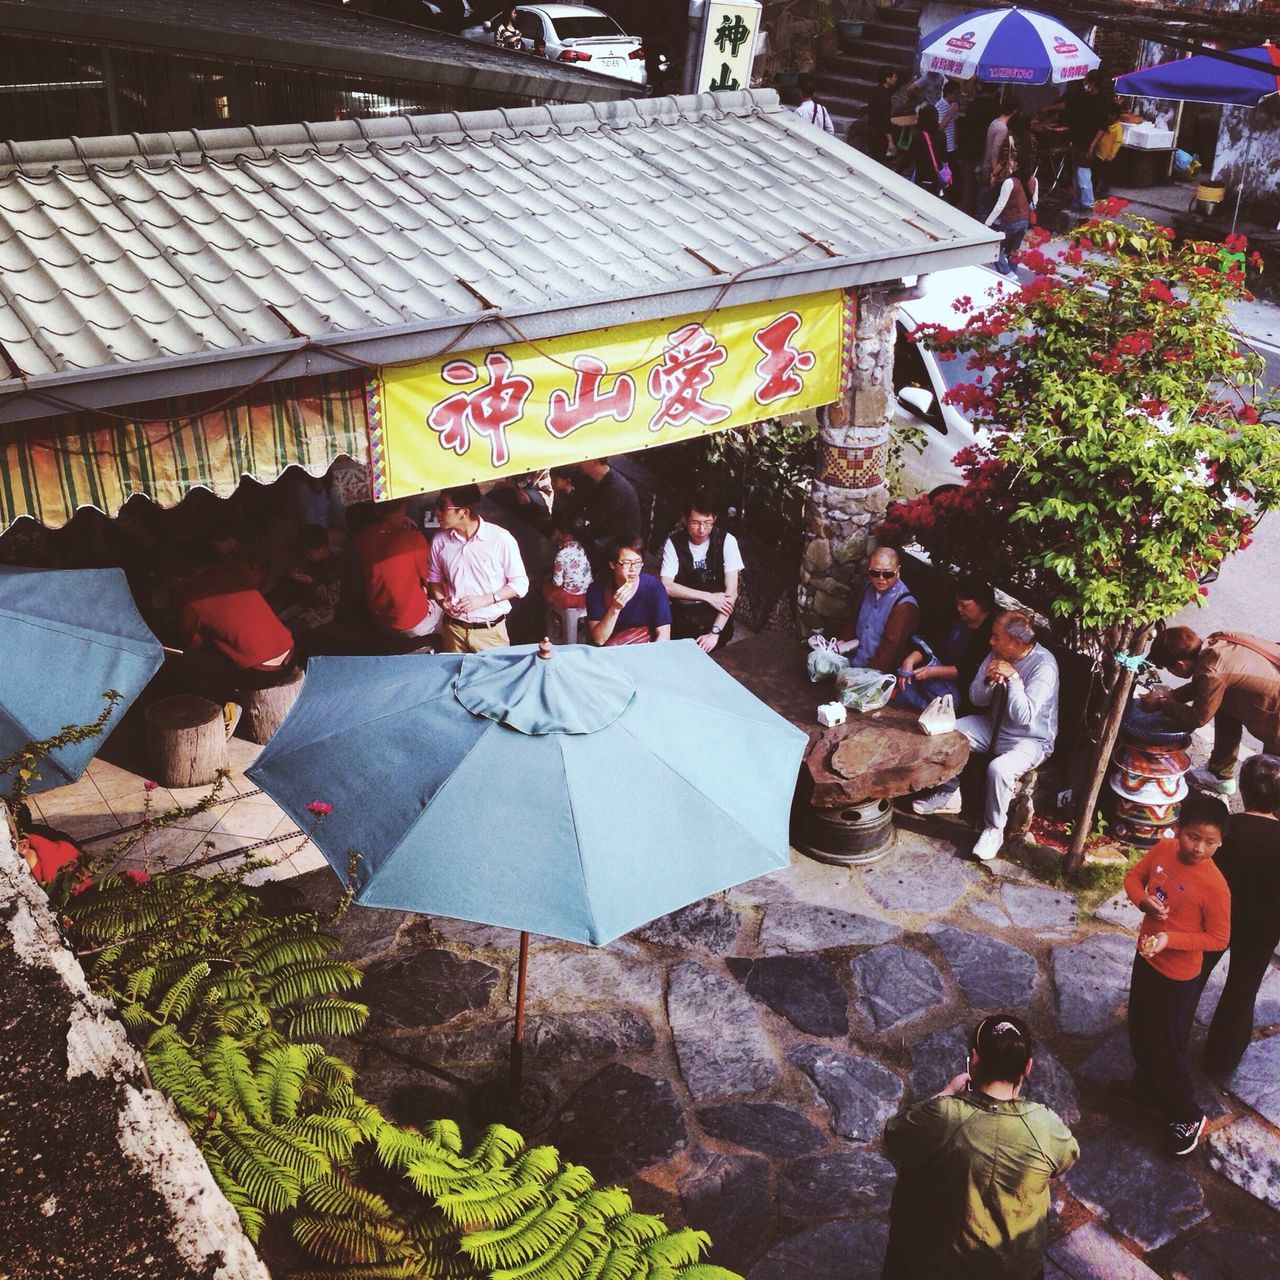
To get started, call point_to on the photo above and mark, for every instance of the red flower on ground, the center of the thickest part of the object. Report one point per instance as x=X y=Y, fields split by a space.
x=320 y=807
x=134 y=874
x=148 y=785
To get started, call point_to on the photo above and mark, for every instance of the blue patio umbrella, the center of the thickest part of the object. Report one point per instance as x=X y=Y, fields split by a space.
x=576 y=795
x=1007 y=46
x=67 y=636
x=1204 y=77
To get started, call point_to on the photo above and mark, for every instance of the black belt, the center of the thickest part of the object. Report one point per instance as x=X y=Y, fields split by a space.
x=473 y=626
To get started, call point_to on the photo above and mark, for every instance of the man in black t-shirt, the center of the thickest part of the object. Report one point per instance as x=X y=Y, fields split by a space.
x=878 y=135
x=1085 y=115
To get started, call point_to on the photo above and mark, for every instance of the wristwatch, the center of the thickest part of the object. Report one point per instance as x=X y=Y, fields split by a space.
x=715 y=631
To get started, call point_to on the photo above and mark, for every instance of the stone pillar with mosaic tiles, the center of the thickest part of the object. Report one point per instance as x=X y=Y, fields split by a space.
x=848 y=495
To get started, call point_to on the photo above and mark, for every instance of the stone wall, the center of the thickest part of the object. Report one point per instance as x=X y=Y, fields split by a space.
x=102 y=1177
x=848 y=495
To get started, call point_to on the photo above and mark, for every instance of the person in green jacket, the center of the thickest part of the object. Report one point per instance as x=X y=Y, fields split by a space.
x=974 y=1164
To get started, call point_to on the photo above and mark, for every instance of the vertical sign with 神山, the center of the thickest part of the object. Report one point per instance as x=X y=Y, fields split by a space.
x=481 y=415
x=723 y=37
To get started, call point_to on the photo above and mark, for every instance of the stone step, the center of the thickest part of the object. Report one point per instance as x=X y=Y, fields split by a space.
x=889 y=44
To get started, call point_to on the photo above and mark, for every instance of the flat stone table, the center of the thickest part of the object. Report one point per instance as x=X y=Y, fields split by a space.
x=851 y=772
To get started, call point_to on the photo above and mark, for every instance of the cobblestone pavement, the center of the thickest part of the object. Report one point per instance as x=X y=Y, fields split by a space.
x=733 y=1064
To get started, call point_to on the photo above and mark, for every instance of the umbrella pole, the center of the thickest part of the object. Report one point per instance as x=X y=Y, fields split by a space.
x=1244 y=169
x=517 y=1038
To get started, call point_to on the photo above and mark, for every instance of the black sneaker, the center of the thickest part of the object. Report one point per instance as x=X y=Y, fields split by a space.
x=1184 y=1134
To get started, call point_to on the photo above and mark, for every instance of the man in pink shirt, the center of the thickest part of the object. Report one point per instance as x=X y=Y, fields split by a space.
x=475 y=571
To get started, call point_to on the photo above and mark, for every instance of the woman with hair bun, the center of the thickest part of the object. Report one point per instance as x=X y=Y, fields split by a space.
x=974 y=1166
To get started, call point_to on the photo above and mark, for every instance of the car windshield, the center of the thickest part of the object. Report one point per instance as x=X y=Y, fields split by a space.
x=954 y=369
x=588 y=27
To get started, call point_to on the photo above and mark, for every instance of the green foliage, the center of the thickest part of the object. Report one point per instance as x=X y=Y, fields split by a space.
x=1125 y=458
x=226 y=999
x=23 y=765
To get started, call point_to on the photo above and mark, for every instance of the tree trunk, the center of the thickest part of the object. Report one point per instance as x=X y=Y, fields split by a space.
x=1129 y=639
x=186 y=740
x=264 y=709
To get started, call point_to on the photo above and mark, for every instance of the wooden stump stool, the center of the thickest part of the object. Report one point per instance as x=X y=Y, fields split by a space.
x=186 y=740
x=264 y=709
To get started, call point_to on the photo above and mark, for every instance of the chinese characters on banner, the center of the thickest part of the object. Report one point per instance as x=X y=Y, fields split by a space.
x=479 y=415
x=726 y=47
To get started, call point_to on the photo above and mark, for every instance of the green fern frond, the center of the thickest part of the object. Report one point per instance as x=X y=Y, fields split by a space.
x=346 y=1240
x=677 y=1248
x=445 y=1133
x=640 y=1228
x=293 y=1152
x=175 y=1071
x=281 y=1074
x=335 y=1135
x=306 y=978
x=325 y=1019
x=706 y=1271
x=134 y=1016
x=138 y=985
x=569 y=1259
x=336 y=1196
x=231 y=1074
x=605 y=1202
x=572 y=1181
x=497 y=1146
x=266 y=1183
x=274 y=949
x=173 y=1005
x=535 y=1162
x=541 y=1229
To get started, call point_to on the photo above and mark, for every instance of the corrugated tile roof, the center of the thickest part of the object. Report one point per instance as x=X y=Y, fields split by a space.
x=183 y=261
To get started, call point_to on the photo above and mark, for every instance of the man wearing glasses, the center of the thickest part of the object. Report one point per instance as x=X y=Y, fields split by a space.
x=633 y=609
x=700 y=568
x=474 y=571
x=887 y=616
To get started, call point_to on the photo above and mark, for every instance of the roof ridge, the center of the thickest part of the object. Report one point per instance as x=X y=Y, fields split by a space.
x=198 y=146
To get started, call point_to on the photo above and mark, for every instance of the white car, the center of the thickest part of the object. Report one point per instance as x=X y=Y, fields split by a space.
x=930 y=431
x=575 y=33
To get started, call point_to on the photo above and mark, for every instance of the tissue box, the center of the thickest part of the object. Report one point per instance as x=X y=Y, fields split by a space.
x=832 y=713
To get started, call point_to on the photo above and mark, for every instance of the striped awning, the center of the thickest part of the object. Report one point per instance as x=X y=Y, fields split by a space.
x=52 y=467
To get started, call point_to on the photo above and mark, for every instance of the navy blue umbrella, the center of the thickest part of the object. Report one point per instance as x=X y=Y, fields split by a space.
x=67 y=637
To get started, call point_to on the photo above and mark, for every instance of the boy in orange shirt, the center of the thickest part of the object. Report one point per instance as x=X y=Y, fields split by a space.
x=1187 y=906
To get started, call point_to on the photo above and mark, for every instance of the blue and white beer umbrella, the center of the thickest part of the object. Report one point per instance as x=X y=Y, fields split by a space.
x=1007 y=46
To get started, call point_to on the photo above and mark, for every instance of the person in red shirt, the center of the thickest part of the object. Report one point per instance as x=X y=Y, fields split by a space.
x=393 y=566
x=46 y=850
x=1187 y=906
x=234 y=643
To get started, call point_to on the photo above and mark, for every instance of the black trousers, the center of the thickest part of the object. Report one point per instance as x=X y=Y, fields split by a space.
x=1161 y=1011
x=693 y=618
x=210 y=673
x=1232 y=1025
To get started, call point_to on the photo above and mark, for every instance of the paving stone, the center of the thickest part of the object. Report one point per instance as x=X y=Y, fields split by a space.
x=619 y=1122
x=1111 y=1061
x=835 y=1184
x=728 y=1197
x=1227 y=1255
x=709 y=925
x=925 y=876
x=1090 y=1252
x=552 y=1038
x=861 y=1093
x=770 y=1127
x=364 y=931
x=468 y=932
x=1090 y=980
x=721 y=1046
x=803 y=989
x=1119 y=910
x=1033 y=906
x=849 y=1250
x=993 y=975
x=800 y=926
x=426 y=988
x=895 y=984
x=1145 y=1195
x=990 y=912
x=937 y=1057
x=1248 y=1153
x=578 y=976
x=1266 y=1010
x=1256 y=1081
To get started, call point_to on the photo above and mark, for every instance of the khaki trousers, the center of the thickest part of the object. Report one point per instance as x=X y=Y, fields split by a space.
x=460 y=639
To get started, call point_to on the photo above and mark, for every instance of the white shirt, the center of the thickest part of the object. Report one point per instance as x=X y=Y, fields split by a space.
x=815 y=113
x=698 y=550
x=478 y=566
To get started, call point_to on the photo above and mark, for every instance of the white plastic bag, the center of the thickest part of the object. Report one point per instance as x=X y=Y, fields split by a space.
x=864 y=688
x=939 y=716
x=825 y=663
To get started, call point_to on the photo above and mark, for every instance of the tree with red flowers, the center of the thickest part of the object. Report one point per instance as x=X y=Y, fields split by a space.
x=1125 y=451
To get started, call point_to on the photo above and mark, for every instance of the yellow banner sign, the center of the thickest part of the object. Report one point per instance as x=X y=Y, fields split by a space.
x=480 y=415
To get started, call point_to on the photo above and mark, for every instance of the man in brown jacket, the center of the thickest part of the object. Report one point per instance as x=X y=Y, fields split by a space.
x=1233 y=679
